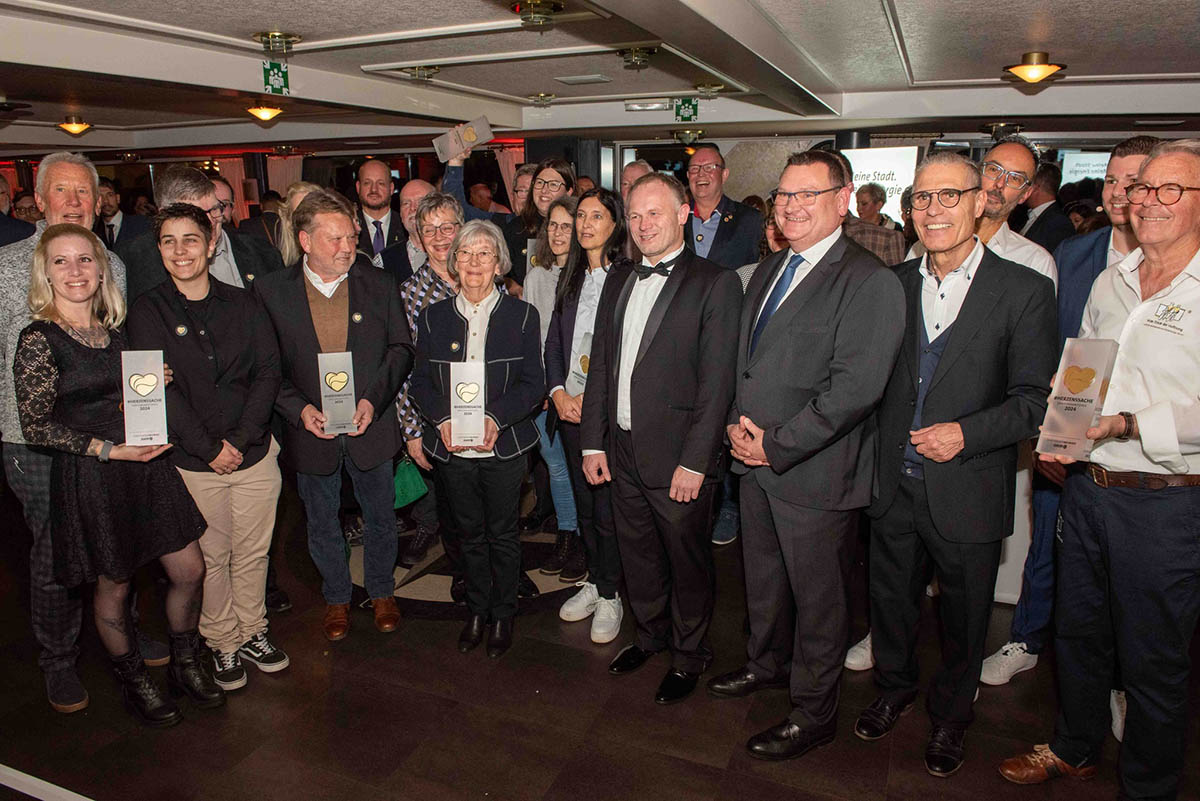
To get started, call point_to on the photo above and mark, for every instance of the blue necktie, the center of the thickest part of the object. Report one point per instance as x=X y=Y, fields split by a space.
x=781 y=288
x=377 y=242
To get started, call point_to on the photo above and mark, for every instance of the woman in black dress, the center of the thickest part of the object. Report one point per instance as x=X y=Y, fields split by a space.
x=116 y=507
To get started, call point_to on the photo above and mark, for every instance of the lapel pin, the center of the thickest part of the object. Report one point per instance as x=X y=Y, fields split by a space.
x=699 y=237
x=181 y=330
x=454 y=346
x=727 y=218
x=249 y=276
x=356 y=317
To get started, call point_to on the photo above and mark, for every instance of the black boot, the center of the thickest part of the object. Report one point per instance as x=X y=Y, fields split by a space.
x=187 y=676
x=562 y=549
x=142 y=695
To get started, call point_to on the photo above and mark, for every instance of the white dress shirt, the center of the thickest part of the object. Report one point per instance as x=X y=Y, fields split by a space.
x=585 y=320
x=222 y=266
x=1008 y=244
x=1114 y=255
x=1157 y=372
x=477 y=315
x=811 y=256
x=326 y=288
x=115 y=222
x=941 y=302
x=1034 y=213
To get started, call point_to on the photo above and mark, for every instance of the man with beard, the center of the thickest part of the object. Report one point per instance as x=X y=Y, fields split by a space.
x=112 y=225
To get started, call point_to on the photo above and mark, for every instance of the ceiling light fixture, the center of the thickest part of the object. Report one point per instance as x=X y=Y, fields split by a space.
x=265 y=113
x=687 y=136
x=657 y=104
x=709 y=90
x=637 y=58
x=542 y=98
x=421 y=74
x=276 y=42
x=537 y=15
x=999 y=130
x=74 y=125
x=1034 y=67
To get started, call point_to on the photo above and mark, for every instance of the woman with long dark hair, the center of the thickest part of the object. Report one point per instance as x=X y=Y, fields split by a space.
x=595 y=266
x=553 y=179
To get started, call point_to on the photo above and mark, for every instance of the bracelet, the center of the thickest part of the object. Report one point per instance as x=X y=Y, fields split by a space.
x=1128 y=432
x=105 y=449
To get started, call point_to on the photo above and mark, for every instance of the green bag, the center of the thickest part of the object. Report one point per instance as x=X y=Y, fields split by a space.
x=410 y=486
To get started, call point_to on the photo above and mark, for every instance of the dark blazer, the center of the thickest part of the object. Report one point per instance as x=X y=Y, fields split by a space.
x=132 y=226
x=736 y=242
x=266 y=226
x=562 y=332
x=14 y=230
x=395 y=246
x=515 y=380
x=1080 y=260
x=817 y=374
x=993 y=379
x=255 y=258
x=1050 y=228
x=377 y=335
x=683 y=375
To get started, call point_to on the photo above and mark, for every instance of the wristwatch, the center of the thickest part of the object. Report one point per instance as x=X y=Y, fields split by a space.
x=1129 y=422
x=105 y=449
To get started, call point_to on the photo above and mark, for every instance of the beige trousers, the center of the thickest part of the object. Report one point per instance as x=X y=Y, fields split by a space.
x=240 y=511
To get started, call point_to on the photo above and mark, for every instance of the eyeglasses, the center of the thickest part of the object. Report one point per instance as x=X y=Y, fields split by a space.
x=807 y=197
x=553 y=186
x=995 y=172
x=481 y=256
x=696 y=169
x=445 y=229
x=554 y=226
x=225 y=204
x=521 y=192
x=1167 y=194
x=214 y=212
x=948 y=197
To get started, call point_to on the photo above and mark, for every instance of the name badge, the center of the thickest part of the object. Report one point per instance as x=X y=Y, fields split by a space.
x=337 y=391
x=1077 y=397
x=144 y=395
x=466 y=403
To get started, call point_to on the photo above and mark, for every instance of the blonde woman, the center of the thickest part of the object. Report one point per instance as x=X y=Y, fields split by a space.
x=117 y=507
x=289 y=245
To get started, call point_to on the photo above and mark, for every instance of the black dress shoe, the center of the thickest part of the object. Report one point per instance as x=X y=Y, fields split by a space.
x=880 y=717
x=675 y=686
x=741 y=682
x=944 y=754
x=788 y=740
x=472 y=633
x=630 y=659
x=526 y=589
x=499 y=638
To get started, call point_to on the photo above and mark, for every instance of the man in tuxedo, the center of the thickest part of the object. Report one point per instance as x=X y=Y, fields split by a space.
x=970 y=384
x=821 y=326
x=327 y=304
x=112 y=225
x=1048 y=225
x=238 y=260
x=719 y=228
x=659 y=388
x=11 y=229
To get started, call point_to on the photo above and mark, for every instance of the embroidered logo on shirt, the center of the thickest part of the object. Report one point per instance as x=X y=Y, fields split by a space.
x=1169 y=312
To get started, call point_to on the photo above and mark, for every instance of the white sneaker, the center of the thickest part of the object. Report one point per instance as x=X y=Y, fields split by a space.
x=1116 y=705
x=606 y=625
x=1010 y=660
x=860 y=656
x=582 y=604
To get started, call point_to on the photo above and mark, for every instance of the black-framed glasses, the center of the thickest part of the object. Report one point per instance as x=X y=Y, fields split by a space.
x=553 y=186
x=445 y=229
x=215 y=211
x=996 y=172
x=807 y=197
x=948 y=197
x=1167 y=194
x=696 y=169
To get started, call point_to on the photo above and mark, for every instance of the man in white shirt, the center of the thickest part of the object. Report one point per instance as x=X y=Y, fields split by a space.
x=1128 y=563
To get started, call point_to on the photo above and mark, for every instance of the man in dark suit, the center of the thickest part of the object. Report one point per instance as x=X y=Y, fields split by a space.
x=1048 y=225
x=11 y=229
x=719 y=228
x=238 y=260
x=970 y=384
x=821 y=327
x=659 y=387
x=112 y=225
x=382 y=235
x=326 y=304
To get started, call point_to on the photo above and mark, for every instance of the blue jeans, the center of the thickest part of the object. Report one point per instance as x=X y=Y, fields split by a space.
x=1031 y=618
x=560 y=478
x=375 y=491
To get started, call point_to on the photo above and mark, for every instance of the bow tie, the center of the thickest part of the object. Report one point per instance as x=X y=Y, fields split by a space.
x=663 y=268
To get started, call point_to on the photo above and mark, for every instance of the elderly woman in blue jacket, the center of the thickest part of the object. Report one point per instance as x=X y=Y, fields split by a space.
x=482 y=325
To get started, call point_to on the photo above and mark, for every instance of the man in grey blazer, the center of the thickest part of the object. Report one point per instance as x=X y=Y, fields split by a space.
x=821 y=326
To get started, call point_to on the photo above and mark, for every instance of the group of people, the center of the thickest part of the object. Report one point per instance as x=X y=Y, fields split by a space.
x=690 y=370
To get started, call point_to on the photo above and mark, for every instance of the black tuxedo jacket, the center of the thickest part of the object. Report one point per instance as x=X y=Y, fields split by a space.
x=683 y=375
x=377 y=335
x=993 y=380
x=132 y=226
x=818 y=373
x=255 y=259
x=14 y=230
x=737 y=236
x=1050 y=228
x=395 y=242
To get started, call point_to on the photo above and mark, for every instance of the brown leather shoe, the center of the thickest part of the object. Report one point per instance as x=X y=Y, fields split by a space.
x=1041 y=765
x=387 y=615
x=337 y=621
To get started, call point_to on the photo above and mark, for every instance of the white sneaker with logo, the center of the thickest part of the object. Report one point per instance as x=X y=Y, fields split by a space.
x=582 y=604
x=606 y=624
x=860 y=656
x=1010 y=660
